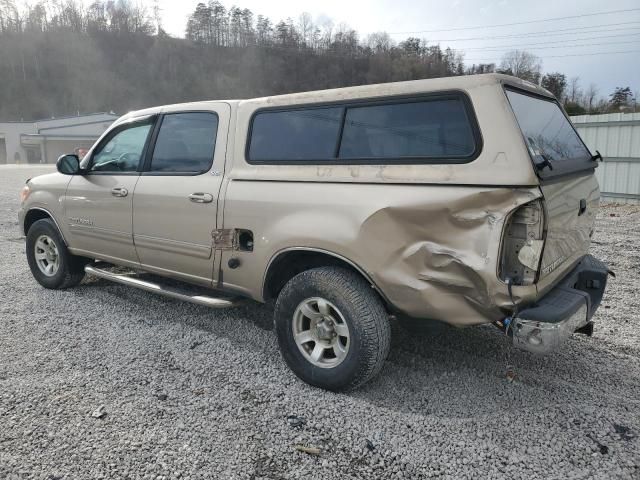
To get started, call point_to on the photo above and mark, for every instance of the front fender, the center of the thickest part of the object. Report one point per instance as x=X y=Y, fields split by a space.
x=47 y=196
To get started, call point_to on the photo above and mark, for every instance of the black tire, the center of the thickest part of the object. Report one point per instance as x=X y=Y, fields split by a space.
x=362 y=311
x=70 y=270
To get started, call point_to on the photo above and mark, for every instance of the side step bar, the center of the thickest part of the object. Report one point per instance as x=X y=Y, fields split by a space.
x=131 y=281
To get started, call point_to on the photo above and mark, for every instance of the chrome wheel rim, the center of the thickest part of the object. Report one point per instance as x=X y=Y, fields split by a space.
x=321 y=332
x=47 y=255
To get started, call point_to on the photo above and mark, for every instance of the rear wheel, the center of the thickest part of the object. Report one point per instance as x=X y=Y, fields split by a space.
x=49 y=259
x=332 y=328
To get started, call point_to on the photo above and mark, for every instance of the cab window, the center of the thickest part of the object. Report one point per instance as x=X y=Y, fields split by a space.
x=186 y=143
x=122 y=151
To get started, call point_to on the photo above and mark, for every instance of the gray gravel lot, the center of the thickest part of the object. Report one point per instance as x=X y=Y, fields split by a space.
x=191 y=392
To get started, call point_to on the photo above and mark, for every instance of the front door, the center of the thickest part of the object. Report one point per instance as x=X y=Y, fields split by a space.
x=176 y=197
x=98 y=206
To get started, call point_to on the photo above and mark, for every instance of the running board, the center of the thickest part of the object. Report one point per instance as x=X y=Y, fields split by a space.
x=131 y=281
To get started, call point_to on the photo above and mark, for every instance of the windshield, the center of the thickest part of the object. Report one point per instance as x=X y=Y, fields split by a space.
x=547 y=132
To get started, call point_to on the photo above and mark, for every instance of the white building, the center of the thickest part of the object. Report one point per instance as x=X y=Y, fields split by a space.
x=617 y=137
x=43 y=141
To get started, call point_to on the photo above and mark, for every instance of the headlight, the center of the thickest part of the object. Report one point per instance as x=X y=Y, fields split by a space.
x=24 y=193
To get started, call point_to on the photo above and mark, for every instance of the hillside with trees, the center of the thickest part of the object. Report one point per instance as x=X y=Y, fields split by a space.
x=58 y=57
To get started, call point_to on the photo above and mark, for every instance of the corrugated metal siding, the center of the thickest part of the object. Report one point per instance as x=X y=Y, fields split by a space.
x=617 y=137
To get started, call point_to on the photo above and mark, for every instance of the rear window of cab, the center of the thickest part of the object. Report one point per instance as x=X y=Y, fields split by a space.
x=427 y=129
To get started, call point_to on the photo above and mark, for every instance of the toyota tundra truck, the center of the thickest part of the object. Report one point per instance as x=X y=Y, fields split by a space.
x=467 y=200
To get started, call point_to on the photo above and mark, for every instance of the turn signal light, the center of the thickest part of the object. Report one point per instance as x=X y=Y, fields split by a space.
x=24 y=193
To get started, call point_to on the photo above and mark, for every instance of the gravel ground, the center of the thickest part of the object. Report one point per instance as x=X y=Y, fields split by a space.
x=190 y=392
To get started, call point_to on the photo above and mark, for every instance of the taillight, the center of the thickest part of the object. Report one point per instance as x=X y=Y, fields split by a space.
x=522 y=244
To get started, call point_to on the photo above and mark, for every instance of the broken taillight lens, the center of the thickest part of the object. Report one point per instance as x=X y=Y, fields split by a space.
x=522 y=244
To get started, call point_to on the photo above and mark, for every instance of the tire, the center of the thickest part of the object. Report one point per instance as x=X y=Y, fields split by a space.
x=345 y=309
x=67 y=270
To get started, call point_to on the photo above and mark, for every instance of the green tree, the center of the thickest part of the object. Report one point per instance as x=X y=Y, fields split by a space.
x=621 y=97
x=112 y=55
x=574 y=108
x=556 y=83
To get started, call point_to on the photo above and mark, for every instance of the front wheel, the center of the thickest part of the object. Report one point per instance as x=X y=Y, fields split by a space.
x=51 y=264
x=332 y=328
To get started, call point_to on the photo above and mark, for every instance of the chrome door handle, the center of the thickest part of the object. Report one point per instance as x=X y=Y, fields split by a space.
x=119 y=192
x=201 y=197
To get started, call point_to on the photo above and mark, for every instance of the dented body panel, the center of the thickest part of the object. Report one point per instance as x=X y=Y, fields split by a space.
x=431 y=251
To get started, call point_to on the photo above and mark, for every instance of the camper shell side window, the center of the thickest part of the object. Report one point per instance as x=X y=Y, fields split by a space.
x=436 y=128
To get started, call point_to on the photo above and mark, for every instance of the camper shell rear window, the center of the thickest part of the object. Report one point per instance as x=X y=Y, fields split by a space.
x=437 y=128
x=553 y=143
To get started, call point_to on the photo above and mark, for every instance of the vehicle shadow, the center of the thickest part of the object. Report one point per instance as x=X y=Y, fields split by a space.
x=447 y=371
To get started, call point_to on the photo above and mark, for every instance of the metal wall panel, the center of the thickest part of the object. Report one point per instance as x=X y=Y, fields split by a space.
x=617 y=137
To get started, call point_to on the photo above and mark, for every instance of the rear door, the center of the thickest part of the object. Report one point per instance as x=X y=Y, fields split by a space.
x=567 y=180
x=176 y=197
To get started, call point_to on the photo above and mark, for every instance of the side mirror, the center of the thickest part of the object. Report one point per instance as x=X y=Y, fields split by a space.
x=68 y=164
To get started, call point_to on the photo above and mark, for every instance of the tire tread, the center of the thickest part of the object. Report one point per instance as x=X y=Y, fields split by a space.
x=375 y=331
x=73 y=266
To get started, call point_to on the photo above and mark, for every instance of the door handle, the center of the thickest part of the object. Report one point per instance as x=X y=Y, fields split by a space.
x=201 y=197
x=583 y=206
x=119 y=192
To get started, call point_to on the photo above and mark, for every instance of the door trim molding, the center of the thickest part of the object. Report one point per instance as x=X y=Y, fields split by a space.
x=173 y=246
x=98 y=232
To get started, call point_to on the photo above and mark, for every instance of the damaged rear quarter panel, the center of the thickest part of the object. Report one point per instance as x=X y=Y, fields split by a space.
x=437 y=256
x=431 y=250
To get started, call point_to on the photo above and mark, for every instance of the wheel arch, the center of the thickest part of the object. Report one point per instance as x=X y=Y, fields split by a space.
x=38 y=213
x=287 y=263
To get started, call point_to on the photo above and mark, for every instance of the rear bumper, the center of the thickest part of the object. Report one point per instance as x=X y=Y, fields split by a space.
x=543 y=327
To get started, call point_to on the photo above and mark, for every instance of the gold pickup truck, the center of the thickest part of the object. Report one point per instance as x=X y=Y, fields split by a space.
x=467 y=200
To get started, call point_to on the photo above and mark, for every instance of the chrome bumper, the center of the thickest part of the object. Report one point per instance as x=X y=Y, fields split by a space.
x=543 y=327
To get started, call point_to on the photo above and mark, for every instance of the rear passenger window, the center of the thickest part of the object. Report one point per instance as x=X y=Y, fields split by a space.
x=309 y=134
x=185 y=143
x=429 y=130
x=436 y=128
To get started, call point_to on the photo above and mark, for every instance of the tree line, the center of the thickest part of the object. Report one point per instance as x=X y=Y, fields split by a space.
x=576 y=99
x=59 y=57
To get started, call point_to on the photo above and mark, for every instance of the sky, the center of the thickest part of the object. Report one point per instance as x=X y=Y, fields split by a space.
x=447 y=22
